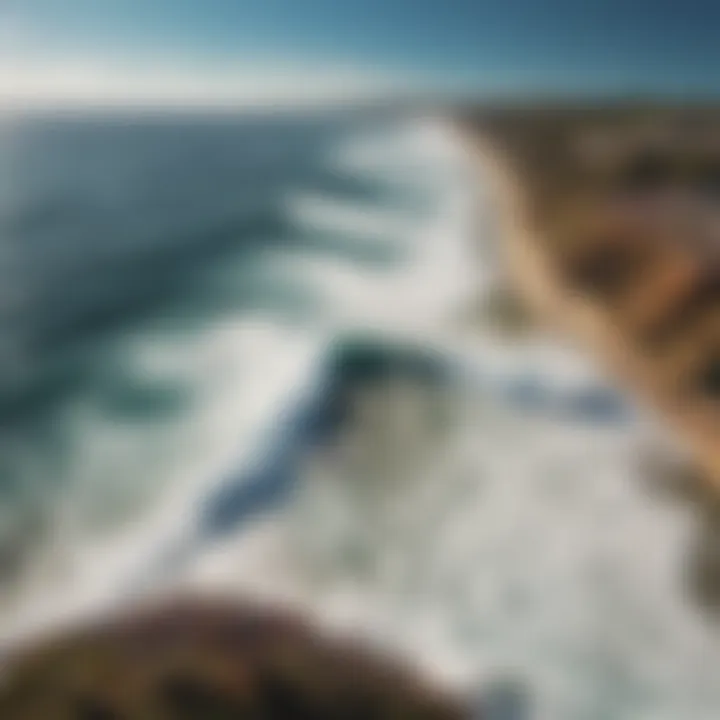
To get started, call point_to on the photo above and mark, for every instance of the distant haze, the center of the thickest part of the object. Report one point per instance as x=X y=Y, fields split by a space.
x=210 y=52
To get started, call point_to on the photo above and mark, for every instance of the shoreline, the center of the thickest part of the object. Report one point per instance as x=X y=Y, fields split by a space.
x=533 y=272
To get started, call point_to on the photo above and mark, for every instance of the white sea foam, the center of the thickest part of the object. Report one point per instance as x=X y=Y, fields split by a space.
x=325 y=213
x=245 y=374
x=441 y=274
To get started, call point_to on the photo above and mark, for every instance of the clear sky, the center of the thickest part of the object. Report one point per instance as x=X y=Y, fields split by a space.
x=254 y=48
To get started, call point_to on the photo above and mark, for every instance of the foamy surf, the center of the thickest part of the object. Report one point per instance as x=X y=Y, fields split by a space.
x=247 y=374
x=439 y=276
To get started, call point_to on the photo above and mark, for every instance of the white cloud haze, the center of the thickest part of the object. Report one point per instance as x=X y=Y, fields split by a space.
x=29 y=82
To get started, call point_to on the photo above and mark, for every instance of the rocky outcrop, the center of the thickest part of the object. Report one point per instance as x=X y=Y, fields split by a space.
x=210 y=660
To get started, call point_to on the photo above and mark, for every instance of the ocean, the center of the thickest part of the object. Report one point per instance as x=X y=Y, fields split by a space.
x=170 y=282
x=245 y=353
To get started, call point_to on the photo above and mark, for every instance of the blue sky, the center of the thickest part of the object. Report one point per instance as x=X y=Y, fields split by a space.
x=83 y=46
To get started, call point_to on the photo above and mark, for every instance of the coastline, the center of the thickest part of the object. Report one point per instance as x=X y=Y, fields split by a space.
x=534 y=273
